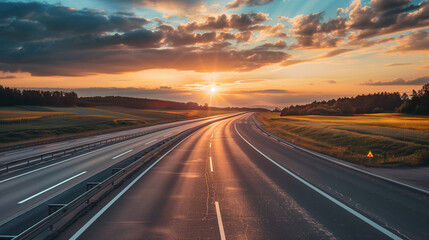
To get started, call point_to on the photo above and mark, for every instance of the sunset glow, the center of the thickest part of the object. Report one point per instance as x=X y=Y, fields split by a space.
x=262 y=53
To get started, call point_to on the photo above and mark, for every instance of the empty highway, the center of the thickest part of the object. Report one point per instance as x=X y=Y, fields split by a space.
x=29 y=187
x=230 y=181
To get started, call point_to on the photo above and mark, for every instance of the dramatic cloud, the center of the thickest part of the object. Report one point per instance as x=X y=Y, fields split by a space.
x=359 y=23
x=310 y=32
x=37 y=21
x=386 y=17
x=400 y=81
x=240 y=36
x=76 y=63
x=415 y=43
x=270 y=46
x=73 y=42
x=242 y=22
x=239 y=3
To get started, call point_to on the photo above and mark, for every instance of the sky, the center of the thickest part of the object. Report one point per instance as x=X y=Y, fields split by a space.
x=255 y=53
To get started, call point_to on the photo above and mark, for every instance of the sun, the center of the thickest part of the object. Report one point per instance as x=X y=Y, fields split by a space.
x=212 y=90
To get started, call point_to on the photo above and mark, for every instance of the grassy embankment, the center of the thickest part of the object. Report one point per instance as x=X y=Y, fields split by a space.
x=29 y=123
x=394 y=139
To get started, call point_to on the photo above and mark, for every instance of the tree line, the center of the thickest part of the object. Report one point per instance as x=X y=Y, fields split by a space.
x=417 y=103
x=146 y=103
x=13 y=96
x=138 y=103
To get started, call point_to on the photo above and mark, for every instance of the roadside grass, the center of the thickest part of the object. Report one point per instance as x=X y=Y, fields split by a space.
x=29 y=123
x=394 y=139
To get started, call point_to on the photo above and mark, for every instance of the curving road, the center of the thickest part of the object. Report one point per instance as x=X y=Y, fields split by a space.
x=230 y=181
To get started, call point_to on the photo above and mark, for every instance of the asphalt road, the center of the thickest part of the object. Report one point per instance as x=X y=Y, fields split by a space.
x=230 y=181
x=23 y=190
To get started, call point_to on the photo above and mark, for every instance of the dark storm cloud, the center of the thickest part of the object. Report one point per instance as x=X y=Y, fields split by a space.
x=400 y=81
x=239 y=3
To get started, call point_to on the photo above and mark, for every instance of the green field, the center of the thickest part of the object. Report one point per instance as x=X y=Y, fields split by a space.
x=28 y=123
x=395 y=139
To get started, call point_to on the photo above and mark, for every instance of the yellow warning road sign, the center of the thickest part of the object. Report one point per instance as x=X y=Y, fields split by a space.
x=370 y=155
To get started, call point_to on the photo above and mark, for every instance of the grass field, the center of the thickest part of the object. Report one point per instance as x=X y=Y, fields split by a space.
x=394 y=139
x=28 y=123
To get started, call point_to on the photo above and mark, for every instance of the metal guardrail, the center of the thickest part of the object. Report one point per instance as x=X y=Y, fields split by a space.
x=21 y=163
x=96 y=193
x=59 y=139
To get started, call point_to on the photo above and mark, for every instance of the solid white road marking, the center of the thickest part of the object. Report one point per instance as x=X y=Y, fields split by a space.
x=340 y=204
x=96 y=216
x=287 y=145
x=115 y=157
x=56 y=185
x=35 y=170
x=167 y=135
x=211 y=164
x=219 y=221
x=151 y=141
x=210 y=145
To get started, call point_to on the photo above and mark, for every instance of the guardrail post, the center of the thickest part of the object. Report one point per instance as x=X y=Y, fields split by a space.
x=90 y=185
x=115 y=170
x=54 y=207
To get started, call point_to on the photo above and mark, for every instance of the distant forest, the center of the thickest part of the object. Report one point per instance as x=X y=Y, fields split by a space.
x=145 y=103
x=13 y=96
x=417 y=103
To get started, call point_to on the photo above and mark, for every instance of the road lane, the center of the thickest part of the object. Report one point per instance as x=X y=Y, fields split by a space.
x=168 y=202
x=215 y=184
